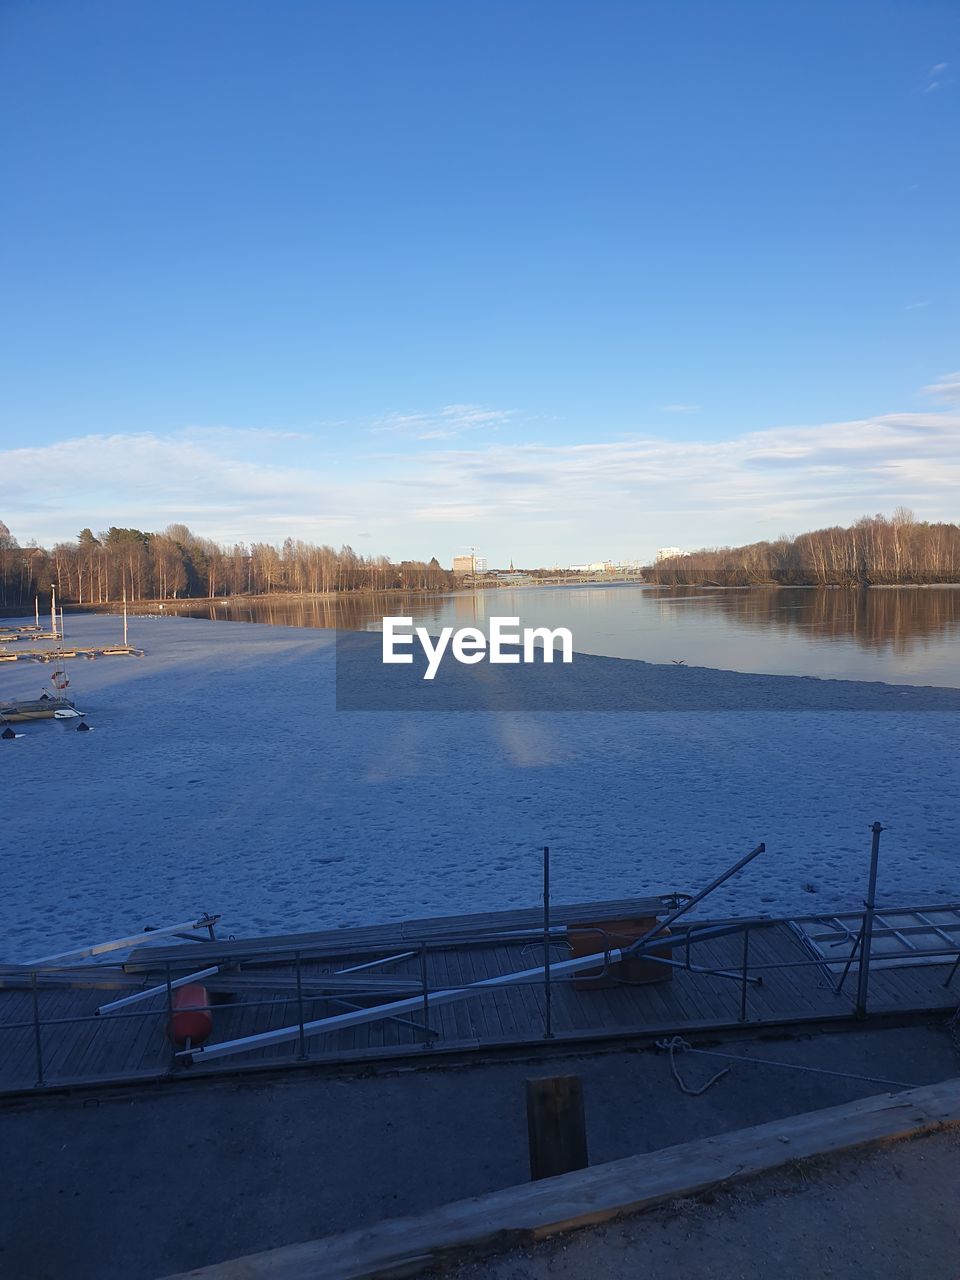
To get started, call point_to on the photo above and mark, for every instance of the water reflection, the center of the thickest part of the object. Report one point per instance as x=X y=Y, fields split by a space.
x=896 y=617
x=897 y=634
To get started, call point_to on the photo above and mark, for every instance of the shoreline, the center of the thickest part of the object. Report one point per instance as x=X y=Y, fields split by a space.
x=278 y=597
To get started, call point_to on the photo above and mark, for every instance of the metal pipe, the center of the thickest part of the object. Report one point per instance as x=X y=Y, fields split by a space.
x=120 y=944
x=662 y=925
x=373 y=964
x=37 y=1041
x=863 y=978
x=173 y=1043
x=156 y=991
x=735 y=975
x=744 y=975
x=547 y=1023
x=302 y=1051
x=337 y=1022
x=425 y=996
x=846 y=968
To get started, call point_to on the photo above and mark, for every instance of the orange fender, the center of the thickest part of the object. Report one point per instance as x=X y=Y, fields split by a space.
x=192 y=1017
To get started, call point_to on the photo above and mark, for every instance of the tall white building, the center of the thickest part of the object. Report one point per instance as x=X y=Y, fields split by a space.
x=469 y=564
x=668 y=553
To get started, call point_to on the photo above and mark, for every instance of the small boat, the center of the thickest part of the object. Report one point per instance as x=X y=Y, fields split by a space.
x=42 y=708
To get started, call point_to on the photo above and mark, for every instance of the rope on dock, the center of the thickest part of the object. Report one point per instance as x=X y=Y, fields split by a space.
x=677 y=1043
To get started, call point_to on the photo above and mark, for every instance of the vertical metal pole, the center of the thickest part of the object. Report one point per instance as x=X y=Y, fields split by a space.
x=427 y=1038
x=867 y=936
x=547 y=1008
x=302 y=1049
x=173 y=1043
x=743 y=975
x=38 y=1043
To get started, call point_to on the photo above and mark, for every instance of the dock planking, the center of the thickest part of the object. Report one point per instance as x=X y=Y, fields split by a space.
x=257 y=992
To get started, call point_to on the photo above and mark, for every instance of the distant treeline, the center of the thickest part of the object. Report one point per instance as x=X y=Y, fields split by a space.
x=876 y=551
x=176 y=564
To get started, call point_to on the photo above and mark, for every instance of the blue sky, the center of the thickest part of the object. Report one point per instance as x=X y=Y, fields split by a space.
x=560 y=280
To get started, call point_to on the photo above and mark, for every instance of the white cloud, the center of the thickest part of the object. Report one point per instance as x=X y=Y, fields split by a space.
x=538 y=501
x=680 y=408
x=947 y=389
x=443 y=424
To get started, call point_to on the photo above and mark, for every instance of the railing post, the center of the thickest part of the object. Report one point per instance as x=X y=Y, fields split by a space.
x=427 y=1038
x=302 y=1049
x=37 y=1039
x=743 y=975
x=170 y=1036
x=866 y=937
x=547 y=1009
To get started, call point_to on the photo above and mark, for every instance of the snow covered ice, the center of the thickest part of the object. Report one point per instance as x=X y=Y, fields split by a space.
x=222 y=778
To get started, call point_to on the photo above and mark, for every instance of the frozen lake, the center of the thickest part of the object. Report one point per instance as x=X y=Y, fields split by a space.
x=220 y=777
x=903 y=635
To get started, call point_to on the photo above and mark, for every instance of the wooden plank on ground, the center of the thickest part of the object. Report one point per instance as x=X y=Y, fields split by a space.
x=519 y=1215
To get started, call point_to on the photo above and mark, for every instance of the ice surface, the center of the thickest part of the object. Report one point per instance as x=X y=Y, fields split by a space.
x=221 y=778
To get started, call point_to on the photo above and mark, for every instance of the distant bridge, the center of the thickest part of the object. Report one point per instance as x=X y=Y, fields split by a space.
x=560 y=580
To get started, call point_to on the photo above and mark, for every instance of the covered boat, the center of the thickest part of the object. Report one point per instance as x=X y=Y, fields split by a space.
x=42 y=708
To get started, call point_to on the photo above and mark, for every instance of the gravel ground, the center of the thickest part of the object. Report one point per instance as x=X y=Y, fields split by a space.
x=893 y=1212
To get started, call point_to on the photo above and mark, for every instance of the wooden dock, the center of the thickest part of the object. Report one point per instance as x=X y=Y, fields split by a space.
x=51 y=1036
x=71 y=651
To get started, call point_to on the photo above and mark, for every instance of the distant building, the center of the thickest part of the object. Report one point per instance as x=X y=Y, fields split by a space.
x=597 y=566
x=669 y=553
x=464 y=565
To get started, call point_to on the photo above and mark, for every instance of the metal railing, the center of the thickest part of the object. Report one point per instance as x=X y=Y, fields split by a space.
x=296 y=989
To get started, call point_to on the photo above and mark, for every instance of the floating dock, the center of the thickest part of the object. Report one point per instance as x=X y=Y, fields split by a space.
x=71 y=651
x=268 y=994
x=9 y=635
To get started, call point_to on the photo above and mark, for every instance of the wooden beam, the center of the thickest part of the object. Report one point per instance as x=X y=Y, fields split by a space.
x=519 y=1215
x=556 y=1129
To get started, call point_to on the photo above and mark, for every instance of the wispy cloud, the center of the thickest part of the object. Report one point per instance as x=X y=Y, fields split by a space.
x=915 y=306
x=242 y=434
x=934 y=77
x=947 y=389
x=445 y=423
x=679 y=408
x=540 y=501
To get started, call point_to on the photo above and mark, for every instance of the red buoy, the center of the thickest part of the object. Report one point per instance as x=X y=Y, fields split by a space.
x=192 y=1019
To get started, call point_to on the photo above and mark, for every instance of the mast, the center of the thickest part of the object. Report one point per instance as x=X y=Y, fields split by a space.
x=53 y=608
x=125 y=641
